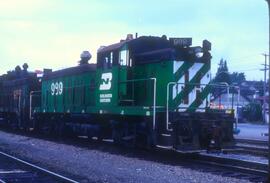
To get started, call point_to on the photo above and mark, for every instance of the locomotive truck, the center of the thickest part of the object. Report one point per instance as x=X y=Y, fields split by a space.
x=147 y=91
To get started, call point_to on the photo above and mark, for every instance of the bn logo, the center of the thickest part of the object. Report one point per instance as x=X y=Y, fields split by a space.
x=106 y=81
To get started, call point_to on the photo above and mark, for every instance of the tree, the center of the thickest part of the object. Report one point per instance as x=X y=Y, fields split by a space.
x=253 y=112
x=237 y=77
x=222 y=74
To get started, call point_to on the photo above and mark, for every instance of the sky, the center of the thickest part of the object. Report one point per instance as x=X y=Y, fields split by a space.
x=53 y=33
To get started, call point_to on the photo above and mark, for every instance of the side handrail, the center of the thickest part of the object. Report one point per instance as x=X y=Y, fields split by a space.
x=177 y=83
x=32 y=93
x=154 y=95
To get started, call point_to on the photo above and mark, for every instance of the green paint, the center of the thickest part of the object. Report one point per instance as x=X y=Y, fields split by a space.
x=190 y=86
x=202 y=96
x=77 y=93
x=181 y=71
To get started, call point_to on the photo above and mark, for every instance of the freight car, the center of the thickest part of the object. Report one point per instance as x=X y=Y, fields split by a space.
x=147 y=91
x=15 y=88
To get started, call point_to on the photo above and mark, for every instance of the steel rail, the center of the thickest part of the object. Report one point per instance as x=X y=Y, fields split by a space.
x=39 y=168
x=237 y=164
x=252 y=141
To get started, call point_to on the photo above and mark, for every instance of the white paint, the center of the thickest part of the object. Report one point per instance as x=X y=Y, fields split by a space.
x=200 y=110
x=177 y=88
x=205 y=82
x=206 y=78
x=123 y=57
x=57 y=88
x=106 y=79
x=108 y=95
x=193 y=70
x=177 y=65
x=105 y=98
x=111 y=58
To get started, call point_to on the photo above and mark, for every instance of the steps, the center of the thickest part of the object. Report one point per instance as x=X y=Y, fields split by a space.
x=165 y=140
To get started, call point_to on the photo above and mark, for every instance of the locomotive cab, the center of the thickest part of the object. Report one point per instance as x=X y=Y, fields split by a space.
x=168 y=82
x=114 y=68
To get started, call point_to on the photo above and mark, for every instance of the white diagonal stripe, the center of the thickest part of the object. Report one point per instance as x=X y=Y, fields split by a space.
x=206 y=78
x=194 y=70
x=178 y=87
x=204 y=101
x=177 y=65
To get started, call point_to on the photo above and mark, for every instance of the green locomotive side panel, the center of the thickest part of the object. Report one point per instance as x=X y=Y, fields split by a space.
x=162 y=71
x=123 y=80
x=69 y=93
x=130 y=90
x=107 y=87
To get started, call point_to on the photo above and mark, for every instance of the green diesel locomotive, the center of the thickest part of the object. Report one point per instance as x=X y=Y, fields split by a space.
x=147 y=91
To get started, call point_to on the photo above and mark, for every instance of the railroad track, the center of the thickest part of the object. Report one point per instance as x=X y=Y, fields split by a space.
x=246 y=160
x=213 y=163
x=13 y=169
x=220 y=165
x=253 y=142
x=252 y=171
x=254 y=147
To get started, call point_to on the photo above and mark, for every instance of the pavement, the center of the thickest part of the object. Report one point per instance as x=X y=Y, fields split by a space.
x=252 y=131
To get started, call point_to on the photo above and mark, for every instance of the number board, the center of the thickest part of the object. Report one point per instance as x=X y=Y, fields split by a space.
x=182 y=42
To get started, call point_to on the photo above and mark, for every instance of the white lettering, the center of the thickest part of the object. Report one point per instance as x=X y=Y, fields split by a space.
x=109 y=95
x=105 y=100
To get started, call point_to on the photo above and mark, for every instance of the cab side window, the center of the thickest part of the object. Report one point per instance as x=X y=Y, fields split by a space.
x=106 y=60
x=124 y=59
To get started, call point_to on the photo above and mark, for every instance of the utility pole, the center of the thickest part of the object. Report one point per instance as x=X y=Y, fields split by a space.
x=264 y=86
x=268 y=3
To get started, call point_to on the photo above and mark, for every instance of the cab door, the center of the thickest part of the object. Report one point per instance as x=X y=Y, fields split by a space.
x=124 y=77
x=107 y=76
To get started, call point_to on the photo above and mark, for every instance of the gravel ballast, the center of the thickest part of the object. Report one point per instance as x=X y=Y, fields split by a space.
x=95 y=164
